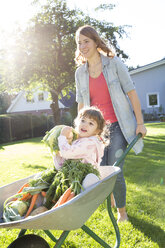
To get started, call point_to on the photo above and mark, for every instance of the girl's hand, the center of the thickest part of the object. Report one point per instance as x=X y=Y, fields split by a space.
x=141 y=129
x=67 y=132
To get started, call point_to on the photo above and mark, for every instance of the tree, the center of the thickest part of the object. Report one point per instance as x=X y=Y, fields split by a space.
x=5 y=101
x=5 y=98
x=44 y=53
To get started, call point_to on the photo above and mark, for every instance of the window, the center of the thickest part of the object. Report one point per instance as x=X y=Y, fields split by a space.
x=153 y=100
x=29 y=97
x=41 y=97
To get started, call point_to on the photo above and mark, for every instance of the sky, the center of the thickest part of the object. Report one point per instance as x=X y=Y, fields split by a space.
x=146 y=42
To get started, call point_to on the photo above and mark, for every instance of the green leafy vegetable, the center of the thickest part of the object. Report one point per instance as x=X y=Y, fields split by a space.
x=14 y=210
x=71 y=174
x=53 y=182
x=51 y=138
x=44 y=178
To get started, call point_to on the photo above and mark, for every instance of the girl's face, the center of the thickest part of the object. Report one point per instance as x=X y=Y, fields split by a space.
x=86 y=46
x=87 y=127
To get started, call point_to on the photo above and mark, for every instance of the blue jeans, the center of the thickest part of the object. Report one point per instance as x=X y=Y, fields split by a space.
x=112 y=152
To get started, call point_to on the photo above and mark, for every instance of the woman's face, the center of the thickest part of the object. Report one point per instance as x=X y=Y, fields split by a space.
x=86 y=46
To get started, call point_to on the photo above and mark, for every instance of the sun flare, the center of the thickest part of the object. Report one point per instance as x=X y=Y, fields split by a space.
x=14 y=13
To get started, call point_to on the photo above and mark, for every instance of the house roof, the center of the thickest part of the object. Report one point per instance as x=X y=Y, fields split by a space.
x=18 y=98
x=15 y=100
x=148 y=66
x=68 y=100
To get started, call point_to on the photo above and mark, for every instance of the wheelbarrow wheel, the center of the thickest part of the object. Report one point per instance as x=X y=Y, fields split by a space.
x=29 y=241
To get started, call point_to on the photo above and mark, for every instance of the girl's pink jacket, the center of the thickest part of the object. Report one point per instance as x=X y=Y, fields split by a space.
x=89 y=149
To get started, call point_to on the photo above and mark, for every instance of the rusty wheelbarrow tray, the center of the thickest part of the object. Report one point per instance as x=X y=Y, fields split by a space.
x=73 y=214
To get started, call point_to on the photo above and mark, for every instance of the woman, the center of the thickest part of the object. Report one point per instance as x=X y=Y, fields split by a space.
x=102 y=80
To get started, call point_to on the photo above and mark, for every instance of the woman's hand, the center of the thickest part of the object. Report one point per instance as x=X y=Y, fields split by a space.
x=141 y=129
x=67 y=132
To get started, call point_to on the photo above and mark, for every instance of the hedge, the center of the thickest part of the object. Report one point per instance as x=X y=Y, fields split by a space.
x=21 y=126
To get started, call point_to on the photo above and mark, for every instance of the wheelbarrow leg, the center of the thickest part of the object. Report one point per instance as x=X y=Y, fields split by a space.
x=61 y=239
x=117 y=244
x=21 y=233
x=50 y=235
x=96 y=237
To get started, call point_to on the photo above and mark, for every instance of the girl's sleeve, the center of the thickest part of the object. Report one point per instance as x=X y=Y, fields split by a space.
x=58 y=161
x=74 y=151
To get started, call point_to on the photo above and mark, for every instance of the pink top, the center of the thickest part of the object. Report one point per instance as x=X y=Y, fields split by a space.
x=90 y=150
x=100 y=97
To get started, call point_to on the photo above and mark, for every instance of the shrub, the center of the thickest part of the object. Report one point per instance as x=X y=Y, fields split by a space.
x=21 y=126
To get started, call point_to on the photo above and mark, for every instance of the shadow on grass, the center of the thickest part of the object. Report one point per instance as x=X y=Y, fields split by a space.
x=1 y=147
x=153 y=232
x=31 y=140
x=148 y=165
x=152 y=143
x=156 y=125
x=35 y=167
x=69 y=244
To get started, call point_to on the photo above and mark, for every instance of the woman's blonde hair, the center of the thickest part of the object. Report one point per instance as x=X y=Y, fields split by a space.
x=95 y=114
x=91 y=33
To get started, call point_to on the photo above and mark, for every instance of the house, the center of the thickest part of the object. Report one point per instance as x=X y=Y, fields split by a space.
x=37 y=102
x=150 y=85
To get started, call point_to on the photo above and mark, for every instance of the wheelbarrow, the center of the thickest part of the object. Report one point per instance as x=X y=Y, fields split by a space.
x=73 y=214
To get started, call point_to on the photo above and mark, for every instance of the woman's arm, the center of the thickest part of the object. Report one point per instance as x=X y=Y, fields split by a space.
x=138 y=114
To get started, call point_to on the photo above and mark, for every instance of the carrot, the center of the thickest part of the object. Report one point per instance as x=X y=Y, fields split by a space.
x=63 y=198
x=71 y=196
x=32 y=203
x=43 y=193
x=23 y=186
x=21 y=189
x=26 y=197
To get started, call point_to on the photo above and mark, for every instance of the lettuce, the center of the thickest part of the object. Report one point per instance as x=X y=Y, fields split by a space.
x=51 y=138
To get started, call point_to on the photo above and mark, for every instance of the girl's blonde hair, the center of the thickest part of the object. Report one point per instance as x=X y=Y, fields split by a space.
x=95 y=114
x=91 y=33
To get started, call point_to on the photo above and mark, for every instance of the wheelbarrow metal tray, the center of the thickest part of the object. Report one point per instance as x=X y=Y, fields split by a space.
x=69 y=216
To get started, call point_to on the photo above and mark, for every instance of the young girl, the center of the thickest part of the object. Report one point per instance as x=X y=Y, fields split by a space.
x=90 y=126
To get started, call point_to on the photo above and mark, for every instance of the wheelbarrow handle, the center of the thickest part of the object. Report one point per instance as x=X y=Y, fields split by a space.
x=128 y=149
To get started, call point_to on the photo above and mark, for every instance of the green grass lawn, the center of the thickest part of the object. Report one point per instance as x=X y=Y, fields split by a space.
x=144 y=176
